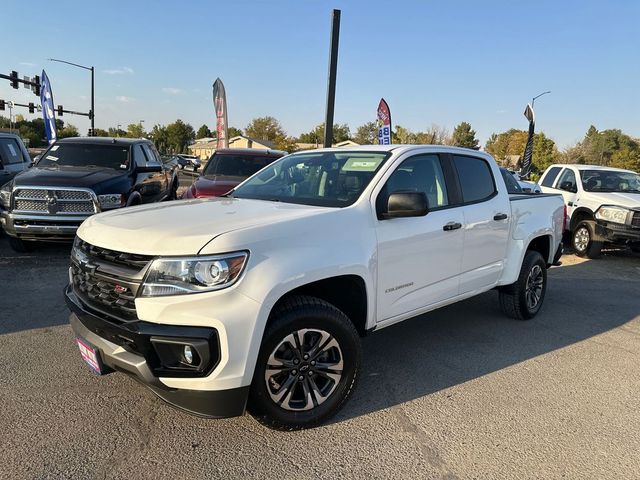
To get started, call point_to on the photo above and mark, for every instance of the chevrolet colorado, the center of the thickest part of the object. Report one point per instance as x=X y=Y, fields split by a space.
x=77 y=177
x=603 y=205
x=257 y=299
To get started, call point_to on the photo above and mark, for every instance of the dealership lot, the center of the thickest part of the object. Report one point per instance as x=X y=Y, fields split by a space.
x=460 y=393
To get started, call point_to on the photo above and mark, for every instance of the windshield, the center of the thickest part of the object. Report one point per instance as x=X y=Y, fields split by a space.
x=610 y=181
x=86 y=155
x=512 y=184
x=234 y=165
x=332 y=179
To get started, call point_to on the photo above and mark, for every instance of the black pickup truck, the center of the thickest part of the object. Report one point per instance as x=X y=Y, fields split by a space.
x=77 y=177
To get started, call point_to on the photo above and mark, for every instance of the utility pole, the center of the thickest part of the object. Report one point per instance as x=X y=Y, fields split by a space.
x=333 y=70
x=91 y=114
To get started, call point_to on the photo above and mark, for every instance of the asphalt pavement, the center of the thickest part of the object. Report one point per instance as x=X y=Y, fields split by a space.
x=462 y=392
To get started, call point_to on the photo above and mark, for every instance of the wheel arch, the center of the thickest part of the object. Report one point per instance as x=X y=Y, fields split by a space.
x=578 y=215
x=134 y=199
x=543 y=245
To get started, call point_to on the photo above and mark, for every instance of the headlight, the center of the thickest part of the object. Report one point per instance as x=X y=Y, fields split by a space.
x=5 y=196
x=177 y=276
x=613 y=214
x=111 y=200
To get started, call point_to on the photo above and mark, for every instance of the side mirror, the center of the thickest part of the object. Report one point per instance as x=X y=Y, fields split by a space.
x=568 y=187
x=149 y=169
x=36 y=158
x=407 y=204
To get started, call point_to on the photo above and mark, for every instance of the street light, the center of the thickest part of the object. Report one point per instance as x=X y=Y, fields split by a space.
x=538 y=96
x=92 y=112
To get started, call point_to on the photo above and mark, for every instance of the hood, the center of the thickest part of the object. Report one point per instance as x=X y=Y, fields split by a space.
x=214 y=186
x=627 y=200
x=67 y=177
x=183 y=227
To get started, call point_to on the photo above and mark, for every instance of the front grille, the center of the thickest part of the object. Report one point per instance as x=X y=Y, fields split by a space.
x=101 y=282
x=52 y=201
x=635 y=220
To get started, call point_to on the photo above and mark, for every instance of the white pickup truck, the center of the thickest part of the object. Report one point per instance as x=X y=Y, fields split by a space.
x=258 y=299
x=603 y=205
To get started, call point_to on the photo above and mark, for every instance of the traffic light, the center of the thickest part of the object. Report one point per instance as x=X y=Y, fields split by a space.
x=60 y=110
x=36 y=88
x=14 y=79
x=1 y=104
x=90 y=133
x=32 y=107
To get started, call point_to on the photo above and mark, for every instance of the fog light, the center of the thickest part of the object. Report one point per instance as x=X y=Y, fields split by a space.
x=188 y=354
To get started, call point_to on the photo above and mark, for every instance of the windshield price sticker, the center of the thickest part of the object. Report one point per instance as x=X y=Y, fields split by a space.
x=52 y=158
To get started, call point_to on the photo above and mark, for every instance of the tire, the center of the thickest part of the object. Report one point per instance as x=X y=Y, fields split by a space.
x=523 y=299
x=284 y=400
x=584 y=240
x=173 y=194
x=635 y=247
x=19 y=245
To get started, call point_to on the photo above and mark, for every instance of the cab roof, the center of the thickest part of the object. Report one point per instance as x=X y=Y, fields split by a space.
x=104 y=140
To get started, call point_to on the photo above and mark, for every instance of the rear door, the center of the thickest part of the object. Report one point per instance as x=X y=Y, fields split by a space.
x=486 y=211
x=418 y=257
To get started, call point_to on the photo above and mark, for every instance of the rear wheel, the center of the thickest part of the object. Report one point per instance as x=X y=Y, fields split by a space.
x=523 y=299
x=19 y=245
x=173 y=195
x=307 y=365
x=584 y=240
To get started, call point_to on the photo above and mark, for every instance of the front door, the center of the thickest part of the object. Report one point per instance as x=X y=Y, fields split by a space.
x=418 y=257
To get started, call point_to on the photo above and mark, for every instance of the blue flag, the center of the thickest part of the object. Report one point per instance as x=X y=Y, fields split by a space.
x=48 y=112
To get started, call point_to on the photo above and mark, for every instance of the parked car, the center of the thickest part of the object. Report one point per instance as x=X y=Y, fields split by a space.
x=188 y=162
x=603 y=205
x=76 y=178
x=527 y=187
x=227 y=168
x=259 y=298
x=14 y=157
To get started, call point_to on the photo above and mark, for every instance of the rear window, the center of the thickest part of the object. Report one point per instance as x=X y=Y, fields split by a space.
x=10 y=152
x=234 y=165
x=476 y=179
x=512 y=184
x=86 y=155
x=550 y=177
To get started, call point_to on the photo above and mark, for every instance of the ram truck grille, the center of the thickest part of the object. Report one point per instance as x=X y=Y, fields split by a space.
x=107 y=281
x=52 y=201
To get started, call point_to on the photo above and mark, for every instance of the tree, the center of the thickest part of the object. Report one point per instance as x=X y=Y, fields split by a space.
x=203 y=132
x=511 y=143
x=464 y=136
x=434 y=135
x=68 y=131
x=233 y=132
x=179 y=136
x=117 y=132
x=135 y=130
x=269 y=129
x=366 y=134
x=100 y=132
x=340 y=134
x=158 y=135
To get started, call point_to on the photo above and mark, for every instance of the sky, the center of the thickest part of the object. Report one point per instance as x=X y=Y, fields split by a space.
x=439 y=62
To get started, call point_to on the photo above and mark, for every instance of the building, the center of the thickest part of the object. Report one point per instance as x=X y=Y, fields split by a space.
x=312 y=146
x=203 y=148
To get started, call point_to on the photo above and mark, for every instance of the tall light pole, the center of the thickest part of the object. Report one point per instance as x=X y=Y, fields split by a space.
x=538 y=96
x=92 y=70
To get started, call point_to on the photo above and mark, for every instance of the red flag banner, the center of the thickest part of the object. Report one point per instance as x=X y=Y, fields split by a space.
x=384 y=123
x=220 y=106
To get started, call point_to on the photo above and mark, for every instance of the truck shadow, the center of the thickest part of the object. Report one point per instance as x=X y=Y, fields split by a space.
x=473 y=338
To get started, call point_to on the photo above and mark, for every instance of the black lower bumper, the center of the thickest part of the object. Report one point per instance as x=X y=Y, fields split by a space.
x=40 y=227
x=128 y=348
x=616 y=232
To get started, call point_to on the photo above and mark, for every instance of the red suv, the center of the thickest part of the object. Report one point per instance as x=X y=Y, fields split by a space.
x=227 y=168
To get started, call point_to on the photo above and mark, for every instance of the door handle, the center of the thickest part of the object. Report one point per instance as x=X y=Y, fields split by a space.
x=452 y=226
x=500 y=216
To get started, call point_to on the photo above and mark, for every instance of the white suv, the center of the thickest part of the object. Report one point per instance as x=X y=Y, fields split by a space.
x=603 y=205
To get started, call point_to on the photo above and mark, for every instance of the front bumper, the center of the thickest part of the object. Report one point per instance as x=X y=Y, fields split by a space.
x=617 y=232
x=128 y=347
x=41 y=227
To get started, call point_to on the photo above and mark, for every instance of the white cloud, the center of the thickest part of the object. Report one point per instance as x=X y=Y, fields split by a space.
x=119 y=71
x=172 y=90
x=28 y=64
x=123 y=99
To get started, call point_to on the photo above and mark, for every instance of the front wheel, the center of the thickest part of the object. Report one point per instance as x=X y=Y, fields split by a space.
x=307 y=365
x=523 y=299
x=19 y=245
x=584 y=240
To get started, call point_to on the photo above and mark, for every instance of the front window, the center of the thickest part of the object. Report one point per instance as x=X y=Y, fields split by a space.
x=331 y=179
x=235 y=165
x=610 y=181
x=10 y=152
x=86 y=155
